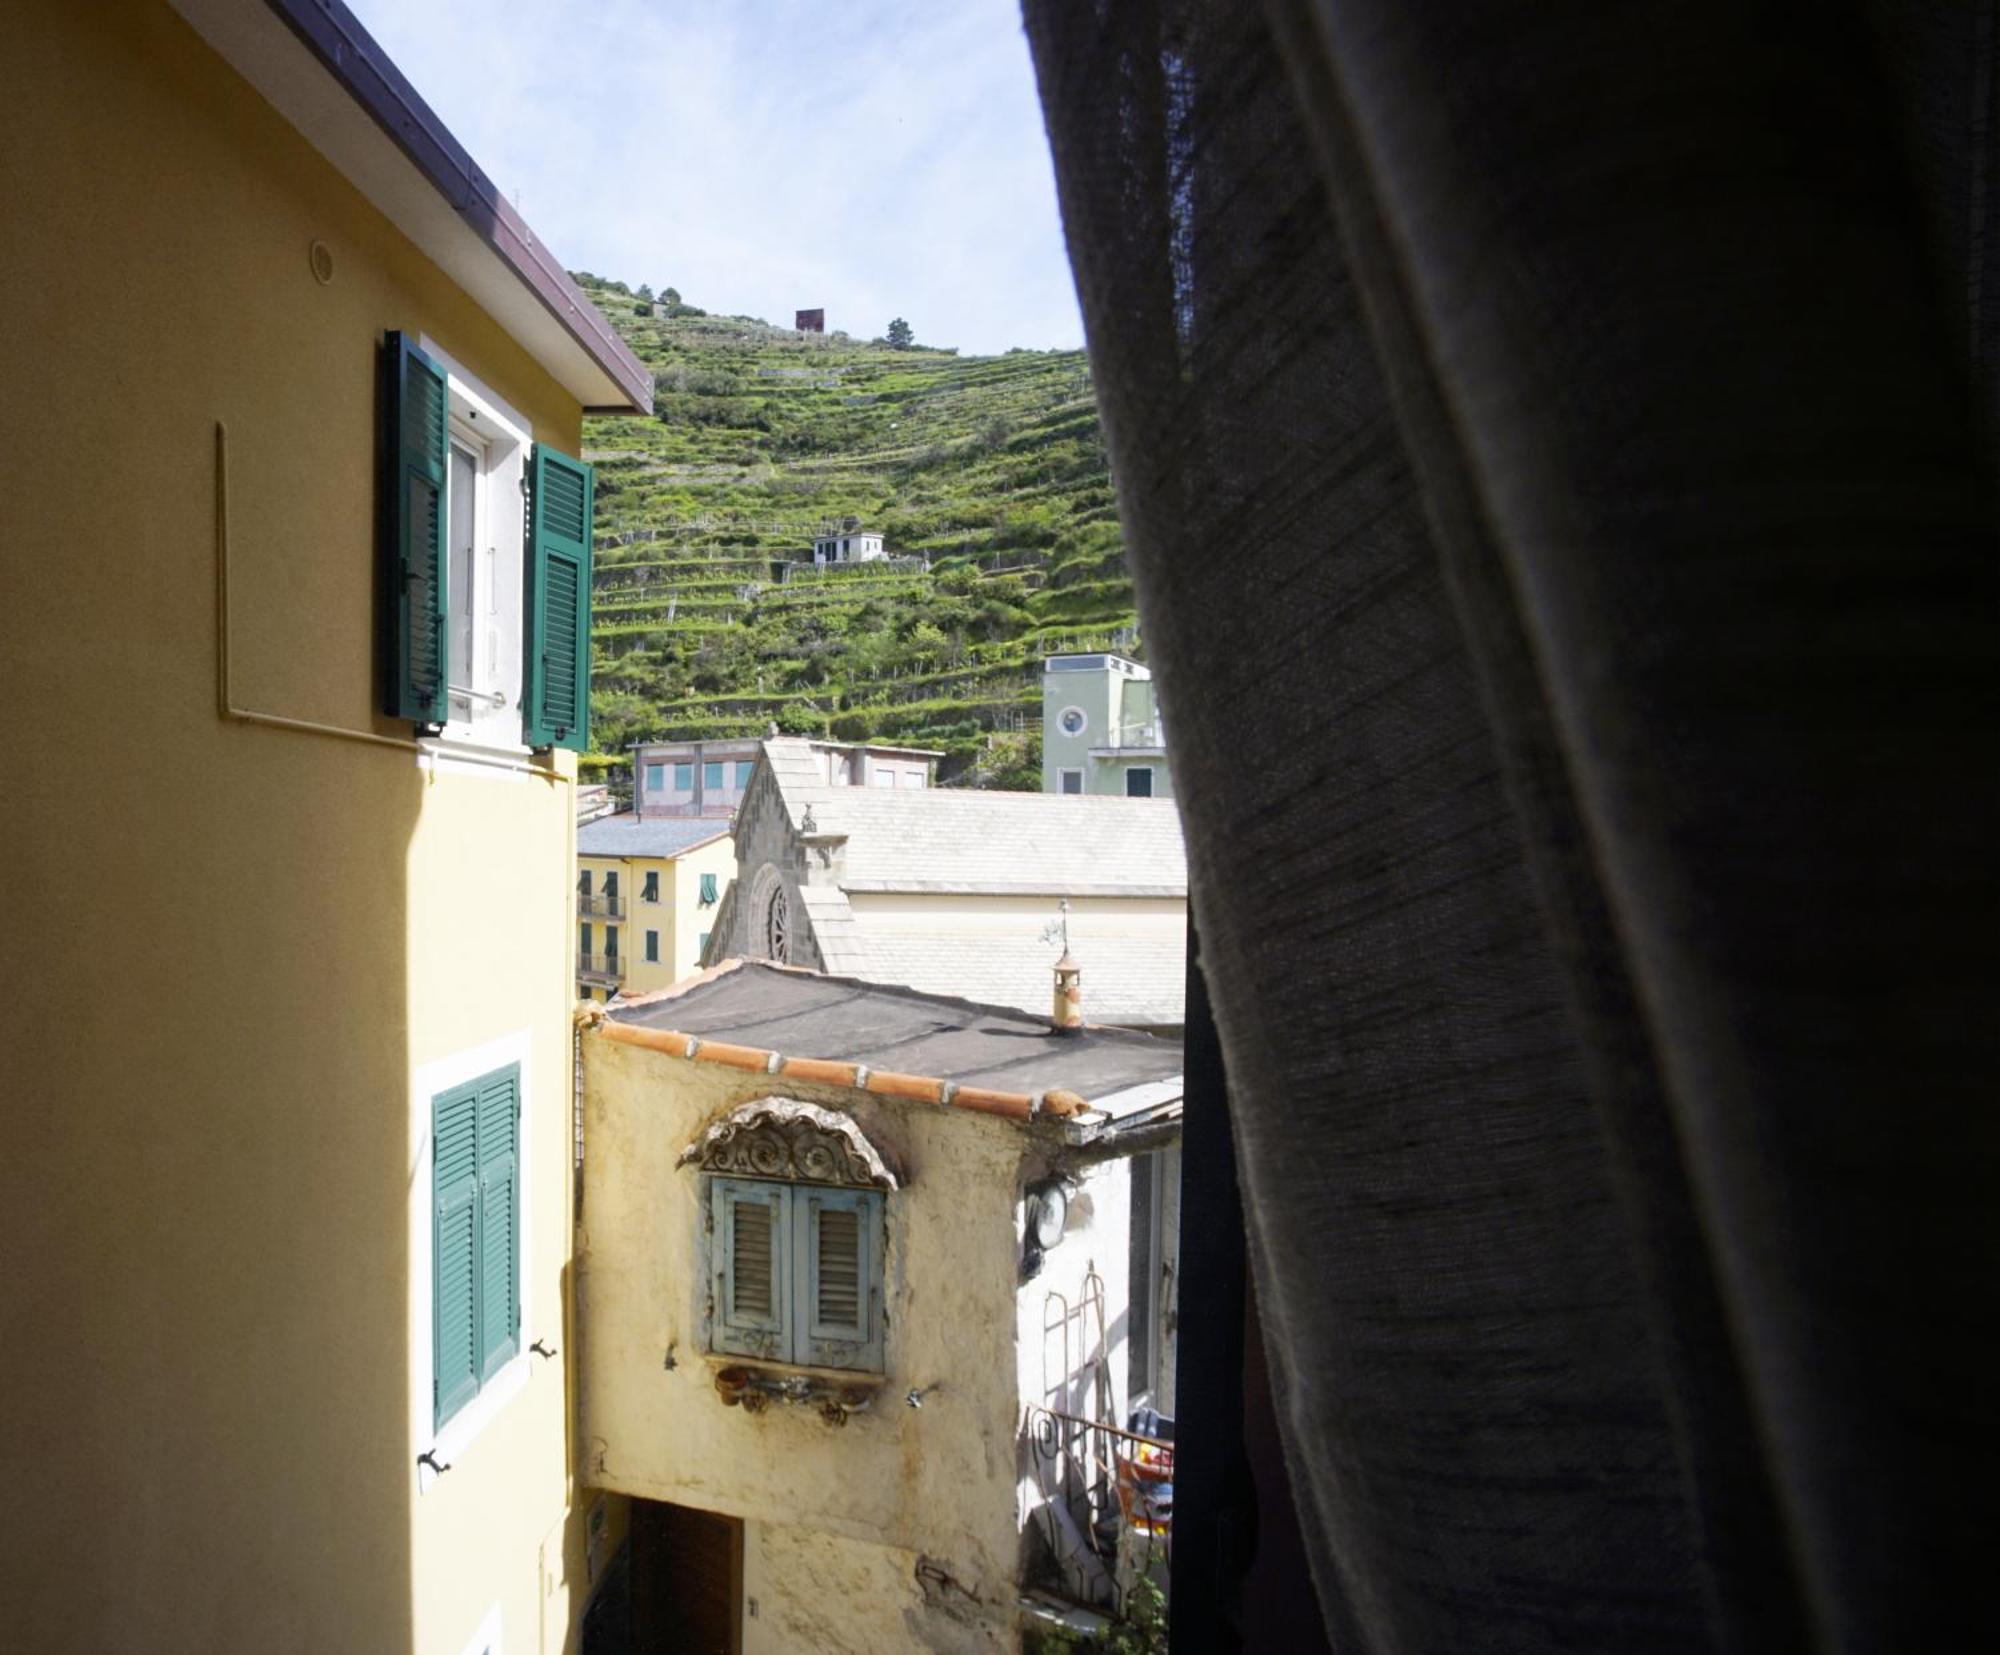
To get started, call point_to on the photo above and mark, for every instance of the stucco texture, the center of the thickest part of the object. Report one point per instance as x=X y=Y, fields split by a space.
x=229 y=948
x=938 y=1482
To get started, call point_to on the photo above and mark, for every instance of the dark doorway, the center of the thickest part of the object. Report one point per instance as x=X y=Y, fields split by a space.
x=687 y=1581
x=1139 y=782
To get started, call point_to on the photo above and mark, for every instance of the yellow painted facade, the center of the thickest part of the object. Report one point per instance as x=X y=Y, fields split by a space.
x=677 y=918
x=233 y=951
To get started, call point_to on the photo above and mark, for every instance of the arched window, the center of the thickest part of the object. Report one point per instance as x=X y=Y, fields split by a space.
x=778 y=925
x=794 y=1225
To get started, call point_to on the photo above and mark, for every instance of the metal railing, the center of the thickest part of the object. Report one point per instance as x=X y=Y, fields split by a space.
x=1097 y=1481
x=1152 y=733
x=600 y=907
x=609 y=967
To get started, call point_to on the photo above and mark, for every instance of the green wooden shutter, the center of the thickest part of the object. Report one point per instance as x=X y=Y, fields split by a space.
x=750 y=1265
x=556 y=628
x=499 y=1219
x=414 y=456
x=707 y=889
x=455 y=1372
x=837 y=1313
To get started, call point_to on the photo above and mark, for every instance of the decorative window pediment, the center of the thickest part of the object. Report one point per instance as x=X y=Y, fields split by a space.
x=791 y=1140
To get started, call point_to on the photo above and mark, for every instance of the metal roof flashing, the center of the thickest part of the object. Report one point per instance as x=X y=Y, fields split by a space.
x=320 y=69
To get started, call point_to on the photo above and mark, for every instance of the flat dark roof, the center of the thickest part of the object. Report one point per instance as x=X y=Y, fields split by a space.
x=803 y=1014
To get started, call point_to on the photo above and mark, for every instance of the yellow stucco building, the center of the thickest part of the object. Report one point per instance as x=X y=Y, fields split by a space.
x=290 y=871
x=647 y=893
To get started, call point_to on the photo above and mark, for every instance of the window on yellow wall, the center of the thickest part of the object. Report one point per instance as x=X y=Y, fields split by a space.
x=653 y=947
x=651 y=890
x=485 y=608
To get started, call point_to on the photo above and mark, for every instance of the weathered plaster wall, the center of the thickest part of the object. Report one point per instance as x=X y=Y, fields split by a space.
x=834 y=1596
x=937 y=1482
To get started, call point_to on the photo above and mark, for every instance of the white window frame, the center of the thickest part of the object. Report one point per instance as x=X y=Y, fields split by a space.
x=445 y=1443
x=1062 y=776
x=501 y=440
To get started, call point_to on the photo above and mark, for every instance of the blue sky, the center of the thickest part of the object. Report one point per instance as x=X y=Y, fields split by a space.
x=762 y=156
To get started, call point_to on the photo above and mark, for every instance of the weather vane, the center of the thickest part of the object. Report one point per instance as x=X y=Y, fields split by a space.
x=1057 y=929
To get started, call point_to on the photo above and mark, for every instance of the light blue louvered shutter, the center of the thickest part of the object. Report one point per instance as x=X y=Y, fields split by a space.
x=455 y=1374
x=499 y=1219
x=555 y=631
x=750 y=1268
x=414 y=451
x=837 y=1309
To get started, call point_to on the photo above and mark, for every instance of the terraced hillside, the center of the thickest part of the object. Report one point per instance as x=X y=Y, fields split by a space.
x=986 y=475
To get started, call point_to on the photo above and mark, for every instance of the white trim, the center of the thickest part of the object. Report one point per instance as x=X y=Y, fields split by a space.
x=476 y=392
x=500 y=441
x=486 y=1641
x=426 y=1081
x=451 y=755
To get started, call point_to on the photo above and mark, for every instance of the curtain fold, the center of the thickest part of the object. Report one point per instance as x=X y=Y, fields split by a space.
x=1554 y=461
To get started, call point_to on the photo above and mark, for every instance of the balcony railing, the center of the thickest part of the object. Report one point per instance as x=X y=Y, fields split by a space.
x=600 y=907
x=609 y=968
x=1096 y=1482
x=1150 y=735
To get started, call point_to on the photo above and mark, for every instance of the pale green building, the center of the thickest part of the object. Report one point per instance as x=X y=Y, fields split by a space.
x=1101 y=730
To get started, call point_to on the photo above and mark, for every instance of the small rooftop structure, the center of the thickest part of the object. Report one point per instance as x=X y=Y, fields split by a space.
x=320 y=69
x=629 y=835
x=848 y=546
x=876 y=1037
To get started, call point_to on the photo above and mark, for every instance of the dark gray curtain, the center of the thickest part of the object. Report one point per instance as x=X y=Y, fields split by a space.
x=1553 y=447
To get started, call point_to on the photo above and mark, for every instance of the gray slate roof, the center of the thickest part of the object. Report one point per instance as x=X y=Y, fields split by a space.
x=992 y=844
x=626 y=835
x=1126 y=980
x=963 y=839
x=802 y=1014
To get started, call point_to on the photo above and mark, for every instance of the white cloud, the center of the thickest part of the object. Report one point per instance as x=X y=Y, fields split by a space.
x=762 y=156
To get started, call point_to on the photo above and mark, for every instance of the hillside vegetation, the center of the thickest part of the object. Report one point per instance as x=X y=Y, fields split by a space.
x=987 y=475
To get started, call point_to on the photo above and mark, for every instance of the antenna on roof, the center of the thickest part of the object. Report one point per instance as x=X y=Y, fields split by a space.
x=1066 y=1013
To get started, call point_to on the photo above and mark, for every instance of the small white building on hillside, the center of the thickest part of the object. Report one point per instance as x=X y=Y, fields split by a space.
x=848 y=546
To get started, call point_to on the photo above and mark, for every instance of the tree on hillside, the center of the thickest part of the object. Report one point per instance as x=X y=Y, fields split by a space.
x=900 y=336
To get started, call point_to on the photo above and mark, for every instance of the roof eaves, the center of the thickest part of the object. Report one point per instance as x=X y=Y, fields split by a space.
x=859 y=1077
x=351 y=57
